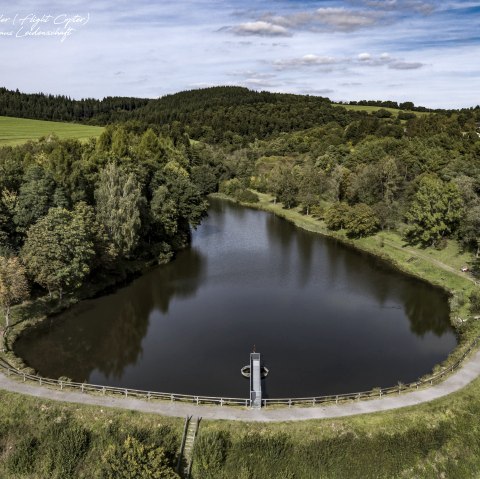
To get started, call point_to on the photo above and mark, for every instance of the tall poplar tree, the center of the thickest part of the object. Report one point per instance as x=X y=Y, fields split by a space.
x=118 y=200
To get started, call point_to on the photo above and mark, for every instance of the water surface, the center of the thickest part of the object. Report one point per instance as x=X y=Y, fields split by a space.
x=326 y=319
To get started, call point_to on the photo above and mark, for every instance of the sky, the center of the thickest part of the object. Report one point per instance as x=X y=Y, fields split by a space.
x=403 y=50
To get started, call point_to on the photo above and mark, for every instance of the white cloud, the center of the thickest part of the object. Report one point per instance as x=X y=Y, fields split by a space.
x=399 y=65
x=305 y=61
x=260 y=28
x=346 y=20
x=364 y=57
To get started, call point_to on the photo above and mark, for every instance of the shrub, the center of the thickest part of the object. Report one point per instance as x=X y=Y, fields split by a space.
x=132 y=459
x=210 y=453
x=475 y=302
x=229 y=187
x=246 y=196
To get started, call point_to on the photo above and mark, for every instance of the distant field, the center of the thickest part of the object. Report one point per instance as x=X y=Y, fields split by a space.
x=14 y=131
x=371 y=109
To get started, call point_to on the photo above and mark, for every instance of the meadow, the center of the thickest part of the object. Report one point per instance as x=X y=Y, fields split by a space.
x=14 y=131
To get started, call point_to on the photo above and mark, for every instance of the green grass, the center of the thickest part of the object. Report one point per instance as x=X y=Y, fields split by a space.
x=40 y=439
x=14 y=131
x=433 y=440
x=373 y=109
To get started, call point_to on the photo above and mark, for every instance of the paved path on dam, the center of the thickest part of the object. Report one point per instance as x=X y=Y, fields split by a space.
x=459 y=379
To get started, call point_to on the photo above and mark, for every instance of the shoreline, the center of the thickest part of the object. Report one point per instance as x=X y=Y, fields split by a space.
x=51 y=309
x=369 y=245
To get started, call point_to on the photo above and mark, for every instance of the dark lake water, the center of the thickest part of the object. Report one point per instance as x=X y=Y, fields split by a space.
x=326 y=319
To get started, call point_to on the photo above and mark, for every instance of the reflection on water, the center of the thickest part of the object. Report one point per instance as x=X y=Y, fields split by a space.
x=326 y=319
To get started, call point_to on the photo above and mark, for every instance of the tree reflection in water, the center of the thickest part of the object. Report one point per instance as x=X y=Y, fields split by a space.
x=106 y=333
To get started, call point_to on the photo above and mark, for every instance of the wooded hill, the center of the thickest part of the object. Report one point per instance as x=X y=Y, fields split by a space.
x=227 y=115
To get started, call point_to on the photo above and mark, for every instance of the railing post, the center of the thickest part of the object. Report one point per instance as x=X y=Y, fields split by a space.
x=221 y=401
x=126 y=392
x=314 y=401
x=61 y=385
x=82 y=388
x=289 y=403
x=336 y=400
x=103 y=390
x=148 y=396
x=381 y=392
x=24 y=378
x=196 y=400
x=171 y=397
x=40 y=380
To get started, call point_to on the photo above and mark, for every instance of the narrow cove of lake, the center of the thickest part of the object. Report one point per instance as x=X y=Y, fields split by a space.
x=327 y=319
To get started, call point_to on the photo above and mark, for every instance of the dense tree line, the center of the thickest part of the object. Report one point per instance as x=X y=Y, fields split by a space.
x=62 y=108
x=422 y=178
x=71 y=211
x=221 y=115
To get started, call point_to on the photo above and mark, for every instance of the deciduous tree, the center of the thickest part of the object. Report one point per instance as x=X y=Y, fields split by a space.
x=435 y=211
x=362 y=221
x=58 y=251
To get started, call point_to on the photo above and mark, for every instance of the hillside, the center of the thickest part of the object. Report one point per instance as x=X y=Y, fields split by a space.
x=14 y=131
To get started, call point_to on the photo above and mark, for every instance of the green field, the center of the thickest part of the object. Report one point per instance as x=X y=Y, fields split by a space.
x=14 y=131
x=372 y=109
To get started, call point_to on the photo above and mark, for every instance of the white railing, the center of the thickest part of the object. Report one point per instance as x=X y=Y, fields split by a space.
x=226 y=401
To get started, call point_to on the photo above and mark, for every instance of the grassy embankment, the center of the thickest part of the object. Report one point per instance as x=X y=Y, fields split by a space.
x=40 y=439
x=440 y=439
x=14 y=131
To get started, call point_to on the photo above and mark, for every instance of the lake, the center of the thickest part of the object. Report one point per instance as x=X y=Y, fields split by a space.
x=327 y=319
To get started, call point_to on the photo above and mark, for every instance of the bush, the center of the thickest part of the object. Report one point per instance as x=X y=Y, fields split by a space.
x=403 y=115
x=382 y=113
x=246 y=196
x=132 y=459
x=475 y=302
x=210 y=453
x=229 y=187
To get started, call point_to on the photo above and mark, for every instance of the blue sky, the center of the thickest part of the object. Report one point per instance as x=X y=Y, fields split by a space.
x=426 y=52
